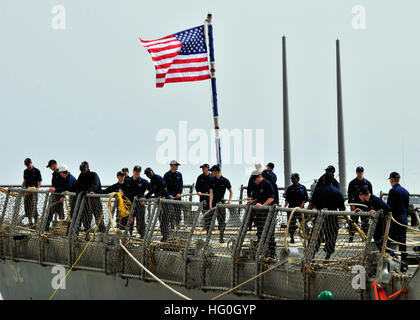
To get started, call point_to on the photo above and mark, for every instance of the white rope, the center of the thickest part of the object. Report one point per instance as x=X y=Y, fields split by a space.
x=404 y=225
x=151 y=274
x=408 y=243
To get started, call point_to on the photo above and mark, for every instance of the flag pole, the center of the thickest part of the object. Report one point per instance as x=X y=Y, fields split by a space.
x=286 y=125
x=213 y=89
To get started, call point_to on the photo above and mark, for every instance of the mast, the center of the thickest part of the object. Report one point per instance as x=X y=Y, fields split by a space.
x=214 y=91
x=286 y=127
x=340 y=123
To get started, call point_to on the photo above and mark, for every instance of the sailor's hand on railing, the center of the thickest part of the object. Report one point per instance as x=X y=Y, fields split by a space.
x=357 y=210
x=199 y=193
x=52 y=189
x=178 y=196
x=258 y=204
x=91 y=192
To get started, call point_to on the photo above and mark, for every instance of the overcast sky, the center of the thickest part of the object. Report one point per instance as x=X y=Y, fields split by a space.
x=88 y=92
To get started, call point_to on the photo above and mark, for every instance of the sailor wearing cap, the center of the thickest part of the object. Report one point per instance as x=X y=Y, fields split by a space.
x=135 y=187
x=125 y=172
x=251 y=185
x=328 y=197
x=57 y=186
x=31 y=179
x=159 y=189
x=266 y=175
x=398 y=200
x=116 y=187
x=296 y=196
x=173 y=179
x=89 y=182
x=353 y=196
x=329 y=169
x=218 y=187
x=69 y=185
x=270 y=168
x=374 y=204
x=262 y=195
x=202 y=185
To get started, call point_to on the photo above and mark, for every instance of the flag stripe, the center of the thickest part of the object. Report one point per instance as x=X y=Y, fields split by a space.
x=159 y=50
x=165 y=78
x=182 y=79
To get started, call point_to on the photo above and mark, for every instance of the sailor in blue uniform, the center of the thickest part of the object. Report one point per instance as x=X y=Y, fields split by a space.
x=296 y=196
x=218 y=188
x=89 y=182
x=135 y=187
x=116 y=187
x=328 y=197
x=159 y=190
x=69 y=186
x=31 y=178
x=270 y=168
x=251 y=184
x=374 y=204
x=57 y=185
x=174 y=183
x=398 y=200
x=330 y=169
x=263 y=195
x=202 y=186
x=353 y=197
x=266 y=175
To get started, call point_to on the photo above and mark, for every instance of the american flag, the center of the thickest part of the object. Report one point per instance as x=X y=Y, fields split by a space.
x=179 y=57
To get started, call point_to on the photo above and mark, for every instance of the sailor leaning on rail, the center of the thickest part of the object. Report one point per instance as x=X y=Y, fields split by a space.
x=327 y=196
x=135 y=187
x=31 y=179
x=353 y=197
x=117 y=187
x=218 y=188
x=262 y=195
x=374 y=204
x=89 y=182
x=159 y=190
x=296 y=195
x=57 y=186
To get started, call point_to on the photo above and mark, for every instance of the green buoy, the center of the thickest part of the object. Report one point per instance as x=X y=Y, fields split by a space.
x=326 y=295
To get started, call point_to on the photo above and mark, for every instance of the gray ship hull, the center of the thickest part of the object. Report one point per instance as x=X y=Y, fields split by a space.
x=30 y=281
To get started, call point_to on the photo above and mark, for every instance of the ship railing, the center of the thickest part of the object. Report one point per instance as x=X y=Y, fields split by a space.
x=193 y=254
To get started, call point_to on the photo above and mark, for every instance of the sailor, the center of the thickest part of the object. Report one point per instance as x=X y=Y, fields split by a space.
x=374 y=204
x=135 y=187
x=270 y=168
x=218 y=188
x=116 y=187
x=266 y=175
x=329 y=169
x=262 y=195
x=296 y=196
x=126 y=172
x=69 y=185
x=57 y=186
x=31 y=179
x=174 y=183
x=159 y=190
x=251 y=184
x=327 y=196
x=202 y=186
x=353 y=197
x=89 y=182
x=398 y=200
